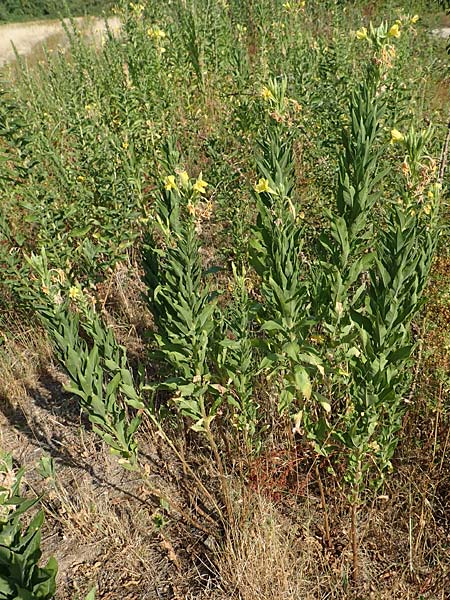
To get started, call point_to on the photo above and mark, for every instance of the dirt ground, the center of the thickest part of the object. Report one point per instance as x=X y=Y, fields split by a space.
x=26 y=37
x=442 y=32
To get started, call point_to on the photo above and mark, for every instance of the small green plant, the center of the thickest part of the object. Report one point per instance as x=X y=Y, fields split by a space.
x=20 y=552
x=99 y=375
x=236 y=361
x=46 y=468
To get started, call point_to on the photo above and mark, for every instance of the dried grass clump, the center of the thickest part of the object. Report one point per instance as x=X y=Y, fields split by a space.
x=24 y=354
x=265 y=556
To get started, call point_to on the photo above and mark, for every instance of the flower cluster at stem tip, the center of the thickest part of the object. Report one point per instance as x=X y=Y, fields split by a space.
x=170 y=183
x=138 y=8
x=393 y=32
x=200 y=185
x=290 y=6
x=74 y=293
x=396 y=136
x=266 y=94
x=155 y=33
x=263 y=186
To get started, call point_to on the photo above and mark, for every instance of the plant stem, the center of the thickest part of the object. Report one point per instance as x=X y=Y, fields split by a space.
x=174 y=506
x=354 y=536
x=186 y=467
x=222 y=475
x=443 y=161
x=324 y=507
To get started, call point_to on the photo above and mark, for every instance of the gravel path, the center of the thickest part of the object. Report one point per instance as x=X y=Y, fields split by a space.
x=28 y=36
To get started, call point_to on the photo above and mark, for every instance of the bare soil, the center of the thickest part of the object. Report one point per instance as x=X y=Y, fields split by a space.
x=443 y=32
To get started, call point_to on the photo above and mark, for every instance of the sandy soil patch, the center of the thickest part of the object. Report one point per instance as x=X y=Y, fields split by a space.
x=26 y=37
x=443 y=32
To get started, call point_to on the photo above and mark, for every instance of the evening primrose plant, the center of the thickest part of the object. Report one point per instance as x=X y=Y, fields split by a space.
x=375 y=280
x=237 y=364
x=185 y=311
x=276 y=257
x=302 y=337
x=181 y=302
x=99 y=372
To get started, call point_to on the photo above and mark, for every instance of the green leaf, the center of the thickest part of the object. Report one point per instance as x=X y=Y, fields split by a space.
x=292 y=349
x=80 y=231
x=91 y=595
x=401 y=354
x=302 y=382
x=272 y=326
x=198 y=426
x=112 y=386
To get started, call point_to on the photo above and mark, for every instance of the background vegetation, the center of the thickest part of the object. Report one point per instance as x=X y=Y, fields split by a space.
x=19 y=10
x=224 y=305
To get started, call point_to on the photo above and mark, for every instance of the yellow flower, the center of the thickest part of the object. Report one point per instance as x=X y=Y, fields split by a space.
x=414 y=19
x=138 y=9
x=169 y=183
x=374 y=445
x=361 y=34
x=200 y=185
x=394 y=31
x=396 y=136
x=74 y=293
x=430 y=194
x=427 y=209
x=263 y=186
x=267 y=94
x=184 y=178
x=156 y=33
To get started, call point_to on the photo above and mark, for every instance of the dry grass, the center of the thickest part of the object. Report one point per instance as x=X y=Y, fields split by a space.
x=24 y=353
x=266 y=556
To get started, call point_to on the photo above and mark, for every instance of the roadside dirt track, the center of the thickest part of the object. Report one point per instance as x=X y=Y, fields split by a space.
x=28 y=37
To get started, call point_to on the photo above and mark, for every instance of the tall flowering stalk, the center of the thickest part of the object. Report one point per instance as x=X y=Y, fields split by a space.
x=374 y=280
x=289 y=360
x=99 y=372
